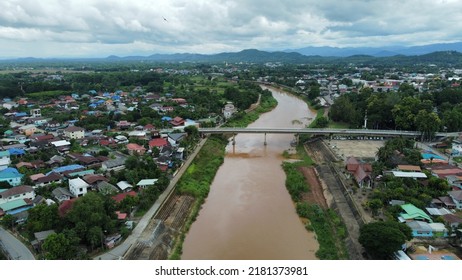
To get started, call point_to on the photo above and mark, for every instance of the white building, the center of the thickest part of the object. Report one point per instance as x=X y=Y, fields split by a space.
x=78 y=187
x=74 y=132
x=229 y=110
x=15 y=193
x=4 y=159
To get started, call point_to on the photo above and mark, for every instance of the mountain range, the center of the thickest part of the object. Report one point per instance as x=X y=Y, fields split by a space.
x=379 y=52
x=439 y=54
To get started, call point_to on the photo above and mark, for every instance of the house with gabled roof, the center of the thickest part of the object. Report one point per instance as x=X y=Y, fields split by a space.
x=134 y=148
x=145 y=183
x=359 y=171
x=175 y=138
x=124 y=186
x=412 y=213
x=62 y=194
x=11 y=175
x=177 y=121
x=15 y=206
x=50 y=178
x=456 y=197
x=15 y=193
x=158 y=143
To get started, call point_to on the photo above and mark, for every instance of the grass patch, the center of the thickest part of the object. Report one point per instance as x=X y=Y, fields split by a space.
x=44 y=95
x=329 y=229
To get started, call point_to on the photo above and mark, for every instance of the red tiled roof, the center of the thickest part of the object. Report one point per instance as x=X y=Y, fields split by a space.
x=135 y=147
x=119 y=197
x=158 y=142
x=121 y=216
x=66 y=206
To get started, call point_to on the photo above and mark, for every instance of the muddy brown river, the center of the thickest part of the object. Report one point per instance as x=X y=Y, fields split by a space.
x=249 y=214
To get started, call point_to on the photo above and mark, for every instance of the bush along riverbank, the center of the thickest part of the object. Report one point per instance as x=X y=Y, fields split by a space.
x=327 y=225
x=199 y=176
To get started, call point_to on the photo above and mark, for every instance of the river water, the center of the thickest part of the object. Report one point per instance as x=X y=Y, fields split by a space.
x=248 y=213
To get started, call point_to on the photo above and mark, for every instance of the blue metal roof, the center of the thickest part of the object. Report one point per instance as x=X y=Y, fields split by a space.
x=16 y=151
x=67 y=168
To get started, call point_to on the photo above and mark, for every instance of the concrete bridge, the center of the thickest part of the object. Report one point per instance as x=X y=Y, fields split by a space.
x=322 y=132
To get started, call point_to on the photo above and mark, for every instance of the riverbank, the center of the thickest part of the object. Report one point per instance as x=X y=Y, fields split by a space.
x=199 y=176
x=309 y=197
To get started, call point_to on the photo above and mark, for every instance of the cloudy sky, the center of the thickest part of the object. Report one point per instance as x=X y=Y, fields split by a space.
x=98 y=28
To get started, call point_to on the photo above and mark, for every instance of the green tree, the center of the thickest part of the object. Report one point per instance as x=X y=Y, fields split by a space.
x=382 y=239
x=59 y=246
x=427 y=123
x=8 y=221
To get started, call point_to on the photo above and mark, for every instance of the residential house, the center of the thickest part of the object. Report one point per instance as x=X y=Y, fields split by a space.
x=145 y=183
x=116 y=164
x=39 y=121
x=229 y=110
x=65 y=206
x=136 y=149
x=420 y=229
x=36 y=113
x=11 y=175
x=158 y=143
x=94 y=179
x=74 y=132
x=50 y=178
x=4 y=159
x=359 y=171
x=121 y=196
x=15 y=193
x=27 y=129
x=68 y=169
x=444 y=201
x=452 y=220
x=456 y=197
x=177 y=121
x=62 y=194
x=15 y=206
x=62 y=146
x=408 y=174
x=175 y=138
x=78 y=187
x=122 y=125
x=106 y=188
x=179 y=153
x=454 y=180
x=412 y=213
x=124 y=186
x=139 y=134
x=439 y=229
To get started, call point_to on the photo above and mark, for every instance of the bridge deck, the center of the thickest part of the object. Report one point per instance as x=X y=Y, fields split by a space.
x=320 y=131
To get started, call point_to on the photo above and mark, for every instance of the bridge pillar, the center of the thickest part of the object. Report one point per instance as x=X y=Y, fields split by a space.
x=264 y=143
x=234 y=139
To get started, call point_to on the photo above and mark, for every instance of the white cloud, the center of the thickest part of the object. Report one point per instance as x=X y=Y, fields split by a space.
x=209 y=26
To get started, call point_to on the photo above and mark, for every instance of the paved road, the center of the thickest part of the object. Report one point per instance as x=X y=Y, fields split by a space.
x=120 y=251
x=15 y=248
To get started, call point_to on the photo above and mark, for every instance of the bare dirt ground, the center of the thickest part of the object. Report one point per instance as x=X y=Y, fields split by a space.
x=316 y=193
x=356 y=148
